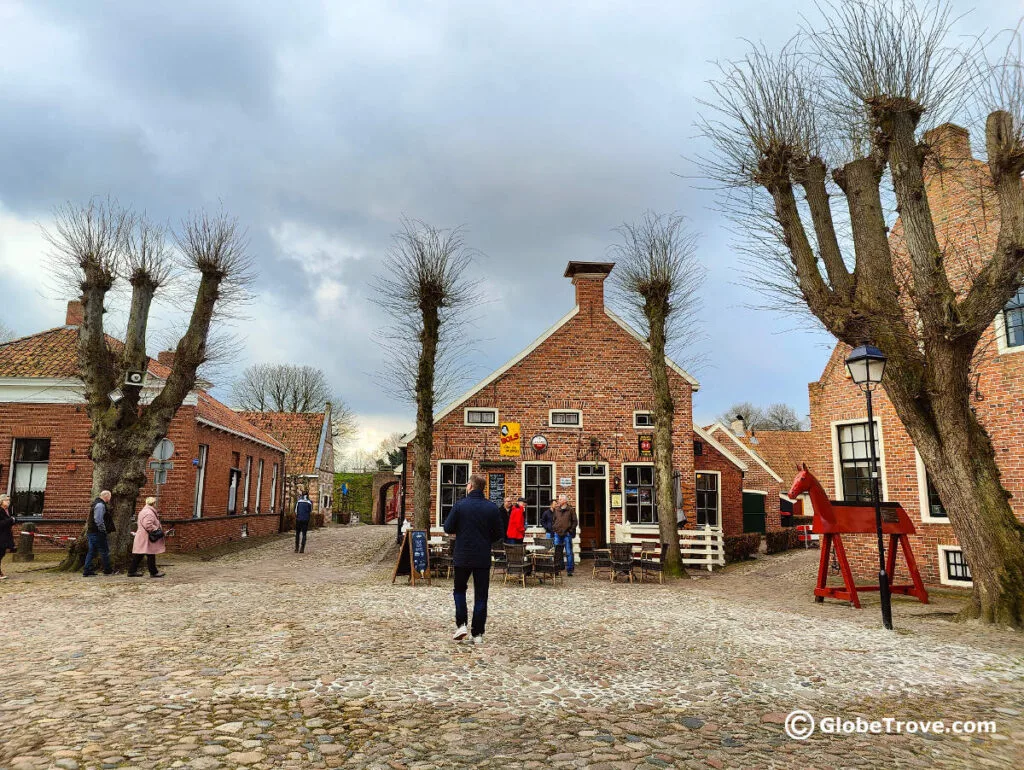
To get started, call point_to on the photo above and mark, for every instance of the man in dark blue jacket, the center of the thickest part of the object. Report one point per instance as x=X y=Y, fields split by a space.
x=303 y=513
x=476 y=523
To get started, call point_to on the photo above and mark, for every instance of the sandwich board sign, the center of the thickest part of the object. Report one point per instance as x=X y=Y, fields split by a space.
x=413 y=557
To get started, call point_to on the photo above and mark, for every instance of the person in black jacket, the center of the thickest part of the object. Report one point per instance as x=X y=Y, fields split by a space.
x=101 y=523
x=303 y=513
x=6 y=534
x=476 y=523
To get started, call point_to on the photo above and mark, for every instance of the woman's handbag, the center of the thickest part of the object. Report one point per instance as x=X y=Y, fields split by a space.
x=156 y=534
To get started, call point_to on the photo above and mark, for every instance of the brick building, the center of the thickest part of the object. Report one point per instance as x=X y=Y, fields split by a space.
x=227 y=477
x=580 y=400
x=966 y=215
x=308 y=437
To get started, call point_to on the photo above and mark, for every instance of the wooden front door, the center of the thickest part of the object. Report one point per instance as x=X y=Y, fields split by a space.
x=753 y=512
x=592 y=509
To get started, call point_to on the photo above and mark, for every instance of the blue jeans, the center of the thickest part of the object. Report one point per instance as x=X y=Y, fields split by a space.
x=97 y=544
x=481 y=584
x=566 y=542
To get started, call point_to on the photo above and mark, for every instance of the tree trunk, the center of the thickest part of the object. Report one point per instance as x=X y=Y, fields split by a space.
x=664 y=413
x=960 y=460
x=425 y=418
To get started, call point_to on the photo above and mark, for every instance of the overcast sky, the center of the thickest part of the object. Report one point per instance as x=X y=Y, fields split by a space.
x=538 y=127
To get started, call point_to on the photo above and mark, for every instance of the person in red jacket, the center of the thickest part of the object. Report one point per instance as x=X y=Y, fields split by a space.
x=516 y=531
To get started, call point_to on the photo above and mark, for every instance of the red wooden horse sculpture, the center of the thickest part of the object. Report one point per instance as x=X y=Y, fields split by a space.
x=833 y=519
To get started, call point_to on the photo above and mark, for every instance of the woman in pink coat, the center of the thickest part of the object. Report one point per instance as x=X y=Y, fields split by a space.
x=148 y=522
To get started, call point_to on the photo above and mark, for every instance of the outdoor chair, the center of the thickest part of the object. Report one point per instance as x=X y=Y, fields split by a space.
x=544 y=540
x=551 y=563
x=651 y=563
x=621 y=560
x=517 y=566
x=498 y=559
x=602 y=557
x=442 y=560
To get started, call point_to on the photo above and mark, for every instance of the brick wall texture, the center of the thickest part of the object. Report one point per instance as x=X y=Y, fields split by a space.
x=967 y=222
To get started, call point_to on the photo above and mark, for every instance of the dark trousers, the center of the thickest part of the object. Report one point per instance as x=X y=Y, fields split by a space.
x=481 y=584
x=133 y=566
x=97 y=545
x=301 y=527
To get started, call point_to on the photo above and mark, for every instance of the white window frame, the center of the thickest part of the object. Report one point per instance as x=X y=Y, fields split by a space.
x=437 y=488
x=719 y=497
x=556 y=489
x=1000 y=329
x=643 y=427
x=273 y=488
x=631 y=526
x=259 y=484
x=10 y=473
x=944 y=568
x=922 y=493
x=837 y=466
x=248 y=483
x=468 y=424
x=562 y=426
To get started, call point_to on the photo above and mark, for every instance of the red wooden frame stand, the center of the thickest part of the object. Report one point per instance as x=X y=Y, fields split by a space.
x=848 y=592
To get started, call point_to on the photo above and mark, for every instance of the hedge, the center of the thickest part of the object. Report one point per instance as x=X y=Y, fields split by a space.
x=783 y=540
x=740 y=547
x=360 y=495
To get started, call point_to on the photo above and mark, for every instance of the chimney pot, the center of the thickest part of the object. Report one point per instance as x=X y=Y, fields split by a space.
x=75 y=314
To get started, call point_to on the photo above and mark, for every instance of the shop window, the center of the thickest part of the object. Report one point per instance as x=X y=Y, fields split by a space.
x=28 y=477
x=641 y=501
x=1013 y=320
x=452 y=482
x=538 y=489
x=481 y=417
x=643 y=419
x=565 y=418
x=708 y=500
x=855 y=461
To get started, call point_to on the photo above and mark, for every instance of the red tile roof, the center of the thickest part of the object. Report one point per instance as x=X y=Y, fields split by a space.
x=782 y=450
x=54 y=353
x=299 y=431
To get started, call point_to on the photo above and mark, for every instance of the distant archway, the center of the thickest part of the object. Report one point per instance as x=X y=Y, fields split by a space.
x=382 y=482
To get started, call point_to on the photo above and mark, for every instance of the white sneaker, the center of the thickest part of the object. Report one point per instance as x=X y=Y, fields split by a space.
x=478 y=639
x=460 y=633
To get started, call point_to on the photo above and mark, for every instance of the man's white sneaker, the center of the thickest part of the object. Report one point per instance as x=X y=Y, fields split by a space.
x=460 y=633
x=478 y=639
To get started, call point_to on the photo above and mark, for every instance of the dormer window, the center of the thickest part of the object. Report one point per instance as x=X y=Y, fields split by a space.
x=643 y=419
x=481 y=418
x=565 y=418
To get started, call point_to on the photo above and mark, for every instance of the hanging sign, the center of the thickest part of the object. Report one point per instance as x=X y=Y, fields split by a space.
x=539 y=444
x=645 y=444
x=510 y=440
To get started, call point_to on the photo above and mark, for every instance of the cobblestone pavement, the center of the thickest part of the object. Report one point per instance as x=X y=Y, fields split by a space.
x=266 y=658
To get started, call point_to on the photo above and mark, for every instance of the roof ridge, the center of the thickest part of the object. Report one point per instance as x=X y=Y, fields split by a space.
x=37 y=334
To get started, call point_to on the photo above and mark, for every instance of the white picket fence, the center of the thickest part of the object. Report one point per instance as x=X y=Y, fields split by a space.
x=704 y=547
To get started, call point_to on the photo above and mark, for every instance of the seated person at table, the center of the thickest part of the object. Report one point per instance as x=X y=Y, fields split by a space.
x=516 y=531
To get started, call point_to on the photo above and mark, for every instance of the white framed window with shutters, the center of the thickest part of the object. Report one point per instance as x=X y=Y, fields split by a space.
x=565 y=418
x=480 y=417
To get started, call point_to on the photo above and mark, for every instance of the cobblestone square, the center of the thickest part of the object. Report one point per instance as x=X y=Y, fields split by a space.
x=266 y=658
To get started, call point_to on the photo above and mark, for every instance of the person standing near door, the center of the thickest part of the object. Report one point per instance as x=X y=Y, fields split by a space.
x=303 y=513
x=565 y=523
x=476 y=523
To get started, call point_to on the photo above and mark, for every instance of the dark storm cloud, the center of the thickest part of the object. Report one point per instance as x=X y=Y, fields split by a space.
x=537 y=126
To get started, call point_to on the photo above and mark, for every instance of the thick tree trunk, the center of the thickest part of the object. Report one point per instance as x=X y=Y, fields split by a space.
x=425 y=418
x=961 y=463
x=664 y=413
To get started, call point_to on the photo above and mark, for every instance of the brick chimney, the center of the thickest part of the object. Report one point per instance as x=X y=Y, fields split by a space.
x=588 y=278
x=949 y=143
x=166 y=357
x=75 y=315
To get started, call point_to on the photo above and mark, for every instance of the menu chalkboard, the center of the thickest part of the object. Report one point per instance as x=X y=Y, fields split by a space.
x=496 y=488
x=419 y=550
x=413 y=557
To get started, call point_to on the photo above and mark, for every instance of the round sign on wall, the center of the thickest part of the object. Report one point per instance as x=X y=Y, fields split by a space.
x=539 y=443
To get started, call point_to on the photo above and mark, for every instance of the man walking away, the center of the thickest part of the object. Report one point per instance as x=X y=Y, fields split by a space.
x=303 y=513
x=101 y=522
x=476 y=523
x=565 y=524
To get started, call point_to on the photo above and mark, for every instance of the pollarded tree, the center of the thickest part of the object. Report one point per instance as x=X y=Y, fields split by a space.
x=658 y=280
x=423 y=286
x=96 y=247
x=841 y=112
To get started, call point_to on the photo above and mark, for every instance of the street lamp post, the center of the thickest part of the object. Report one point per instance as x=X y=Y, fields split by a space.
x=866 y=366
